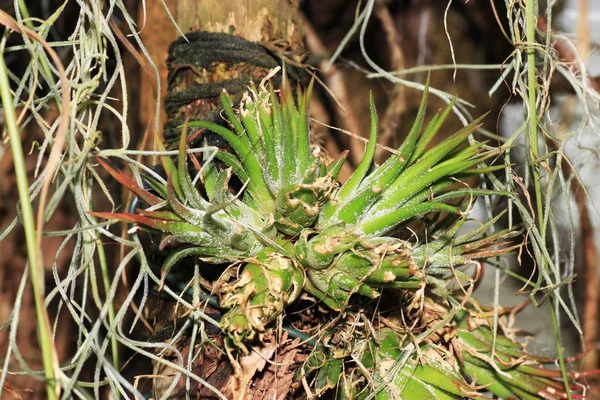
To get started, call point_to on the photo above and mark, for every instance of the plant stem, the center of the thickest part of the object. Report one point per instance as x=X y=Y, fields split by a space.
x=34 y=258
x=42 y=60
x=533 y=134
x=114 y=343
x=534 y=162
x=561 y=359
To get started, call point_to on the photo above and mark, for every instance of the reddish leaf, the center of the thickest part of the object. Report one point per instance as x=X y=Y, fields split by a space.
x=165 y=215
x=130 y=184
x=154 y=223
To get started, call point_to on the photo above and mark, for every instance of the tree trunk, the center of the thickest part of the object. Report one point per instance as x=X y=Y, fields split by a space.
x=255 y=20
x=229 y=45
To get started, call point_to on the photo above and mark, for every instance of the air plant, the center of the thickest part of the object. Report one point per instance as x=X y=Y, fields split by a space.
x=456 y=359
x=289 y=227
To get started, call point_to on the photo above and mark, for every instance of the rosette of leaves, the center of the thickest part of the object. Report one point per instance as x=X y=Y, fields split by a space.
x=459 y=359
x=292 y=227
x=502 y=365
x=399 y=371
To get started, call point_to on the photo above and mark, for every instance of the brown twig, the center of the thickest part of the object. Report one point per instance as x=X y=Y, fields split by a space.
x=336 y=82
x=52 y=164
x=566 y=54
x=500 y=23
x=397 y=103
x=583 y=29
x=589 y=266
x=590 y=277
x=590 y=254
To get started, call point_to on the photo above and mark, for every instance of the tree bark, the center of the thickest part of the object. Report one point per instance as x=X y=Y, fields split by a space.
x=229 y=45
x=254 y=20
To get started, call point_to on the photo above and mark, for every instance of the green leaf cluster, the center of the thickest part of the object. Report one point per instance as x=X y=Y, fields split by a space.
x=292 y=228
x=460 y=360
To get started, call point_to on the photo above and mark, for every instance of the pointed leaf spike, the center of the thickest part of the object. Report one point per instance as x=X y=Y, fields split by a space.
x=386 y=222
x=365 y=164
x=189 y=191
x=163 y=225
x=371 y=188
x=287 y=102
x=250 y=120
x=407 y=148
x=335 y=167
x=277 y=124
x=169 y=167
x=430 y=131
x=228 y=107
x=130 y=184
x=243 y=149
x=266 y=129
x=289 y=119
x=415 y=174
x=304 y=156
x=187 y=214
